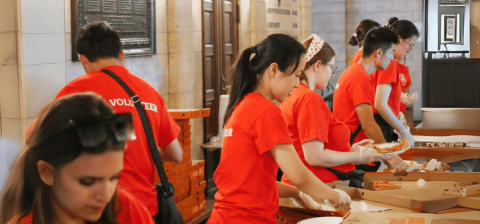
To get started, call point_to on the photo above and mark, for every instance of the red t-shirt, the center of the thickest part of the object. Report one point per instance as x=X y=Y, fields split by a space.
x=246 y=175
x=307 y=117
x=357 y=57
x=389 y=76
x=405 y=80
x=138 y=171
x=131 y=211
x=353 y=88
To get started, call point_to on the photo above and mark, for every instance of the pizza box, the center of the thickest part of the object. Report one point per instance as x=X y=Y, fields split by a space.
x=456 y=183
x=472 y=217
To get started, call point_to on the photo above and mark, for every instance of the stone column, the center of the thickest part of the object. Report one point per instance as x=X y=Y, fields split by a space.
x=184 y=34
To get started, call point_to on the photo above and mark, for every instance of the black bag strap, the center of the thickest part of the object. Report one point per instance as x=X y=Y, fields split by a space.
x=354 y=134
x=148 y=132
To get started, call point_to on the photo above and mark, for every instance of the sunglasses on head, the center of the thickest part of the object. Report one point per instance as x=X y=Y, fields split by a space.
x=93 y=131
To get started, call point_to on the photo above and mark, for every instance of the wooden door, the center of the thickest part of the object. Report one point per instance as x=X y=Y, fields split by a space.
x=220 y=43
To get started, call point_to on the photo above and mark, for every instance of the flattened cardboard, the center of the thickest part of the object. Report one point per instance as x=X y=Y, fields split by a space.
x=460 y=177
x=413 y=218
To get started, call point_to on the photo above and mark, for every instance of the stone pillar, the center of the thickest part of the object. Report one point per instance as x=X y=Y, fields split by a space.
x=12 y=120
x=184 y=31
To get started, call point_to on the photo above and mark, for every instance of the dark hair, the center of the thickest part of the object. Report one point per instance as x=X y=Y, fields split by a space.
x=97 y=41
x=379 y=37
x=325 y=55
x=403 y=28
x=247 y=72
x=361 y=31
x=25 y=192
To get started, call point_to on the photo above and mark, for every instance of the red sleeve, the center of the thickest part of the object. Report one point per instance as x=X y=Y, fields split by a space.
x=269 y=130
x=169 y=129
x=387 y=76
x=131 y=211
x=312 y=122
x=362 y=92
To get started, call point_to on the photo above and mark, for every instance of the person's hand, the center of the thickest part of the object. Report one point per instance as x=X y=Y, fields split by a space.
x=406 y=135
x=396 y=163
x=304 y=200
x=343 y=199
x=364 y=142
x=408 y=99
x=367 y=155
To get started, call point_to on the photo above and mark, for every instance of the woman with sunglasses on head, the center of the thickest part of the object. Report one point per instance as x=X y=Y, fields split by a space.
x=359 y=35
x=256 y=139
x=388 y=84
x=69 y=169
x=322 y=141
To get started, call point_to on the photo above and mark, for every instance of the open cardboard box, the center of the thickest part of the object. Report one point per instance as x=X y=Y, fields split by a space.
x=472 y=217
x=464 y=184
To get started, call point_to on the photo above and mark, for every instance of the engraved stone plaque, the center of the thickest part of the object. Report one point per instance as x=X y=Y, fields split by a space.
x=134 y=20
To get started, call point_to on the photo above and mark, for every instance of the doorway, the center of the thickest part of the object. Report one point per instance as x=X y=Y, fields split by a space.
x=220 y=49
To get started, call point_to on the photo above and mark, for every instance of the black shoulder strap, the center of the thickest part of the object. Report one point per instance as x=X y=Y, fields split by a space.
x=148 y=131
x=354 y=134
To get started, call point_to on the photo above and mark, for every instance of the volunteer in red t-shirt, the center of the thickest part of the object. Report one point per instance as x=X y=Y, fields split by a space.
x=388 y=85
x=69 y=170
x=321 y=141
x=354 y=94
x=256 y=140
x=359 y=35
x=99 y=48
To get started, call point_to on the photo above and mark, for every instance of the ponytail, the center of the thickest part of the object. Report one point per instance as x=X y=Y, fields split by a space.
x=361 y=31
x=354 y=40
x=243 y=80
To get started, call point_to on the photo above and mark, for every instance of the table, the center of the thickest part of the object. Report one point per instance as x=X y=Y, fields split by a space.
x=211 y=153
x=205 y=214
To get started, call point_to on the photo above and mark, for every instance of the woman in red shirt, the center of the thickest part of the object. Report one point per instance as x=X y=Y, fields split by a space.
x=322 y=141
x=69 y=170
x=357 y=38
x=388 y=86
x=256 y=140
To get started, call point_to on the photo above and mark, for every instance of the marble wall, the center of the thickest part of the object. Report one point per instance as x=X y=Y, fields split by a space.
x=11 y=74
x=260 y=18
x=335 y=21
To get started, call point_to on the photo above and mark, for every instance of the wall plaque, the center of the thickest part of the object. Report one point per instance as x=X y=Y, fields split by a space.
x=134 y=20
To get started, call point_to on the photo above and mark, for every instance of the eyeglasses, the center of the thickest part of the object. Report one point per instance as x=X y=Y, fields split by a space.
x=410 y=46
x=93 y=131
x=334 y=68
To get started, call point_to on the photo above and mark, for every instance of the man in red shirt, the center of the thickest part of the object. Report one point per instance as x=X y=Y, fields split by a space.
x=99 y=47
x=354 y=93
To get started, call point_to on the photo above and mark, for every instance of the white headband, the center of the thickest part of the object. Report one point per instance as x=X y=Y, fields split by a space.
x=314 y=48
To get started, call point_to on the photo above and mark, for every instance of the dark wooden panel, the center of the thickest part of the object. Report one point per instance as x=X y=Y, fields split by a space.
x=227 y=28
x=440 y=81
x=465 y=85
x=208 y=70
x=207 y=28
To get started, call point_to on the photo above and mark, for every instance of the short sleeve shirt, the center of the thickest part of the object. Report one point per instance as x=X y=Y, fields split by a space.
x=389 y=76
x=138 y=172
x=405 y=80
x=246 y=175
x=357 y=57
x=354 y=87
x=308 y=118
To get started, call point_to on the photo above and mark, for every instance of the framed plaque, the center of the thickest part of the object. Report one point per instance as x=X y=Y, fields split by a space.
x=450 y=28
x=134 y=20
